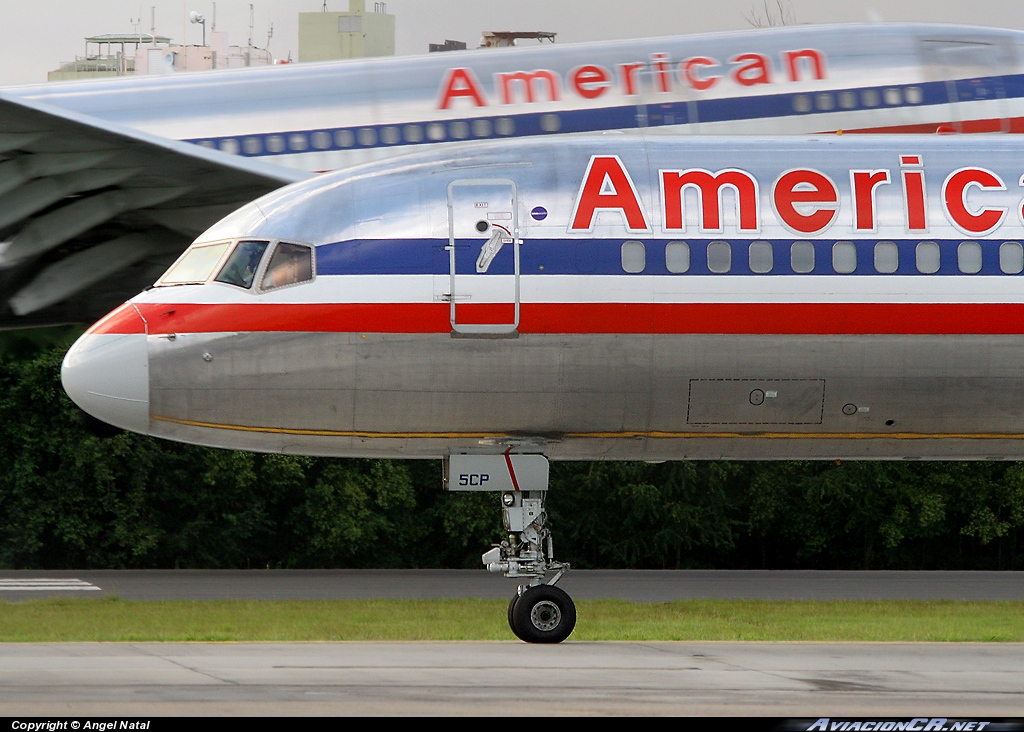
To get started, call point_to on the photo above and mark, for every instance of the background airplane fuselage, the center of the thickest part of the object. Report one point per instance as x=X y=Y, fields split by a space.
x=866 y=302
x=316 y=117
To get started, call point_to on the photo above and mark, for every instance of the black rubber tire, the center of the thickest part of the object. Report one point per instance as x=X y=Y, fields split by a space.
x=544 y=614
x=511 y=615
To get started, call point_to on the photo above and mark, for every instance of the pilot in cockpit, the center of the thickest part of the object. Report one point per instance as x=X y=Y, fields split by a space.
x=290 y=264
x=243 y=263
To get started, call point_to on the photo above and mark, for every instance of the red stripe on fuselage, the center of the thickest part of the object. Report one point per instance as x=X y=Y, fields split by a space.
x=122 y=321
x=312 y=318
x=1012 y=125
x=728 y=318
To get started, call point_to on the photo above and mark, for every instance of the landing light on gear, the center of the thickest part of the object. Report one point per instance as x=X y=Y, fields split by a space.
x=539 y=612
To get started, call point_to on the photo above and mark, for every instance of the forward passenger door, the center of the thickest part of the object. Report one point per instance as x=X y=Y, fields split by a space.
x=483 y=255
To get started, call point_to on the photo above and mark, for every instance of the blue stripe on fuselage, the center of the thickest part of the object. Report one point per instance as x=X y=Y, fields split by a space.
x=604 y=257
x=631 y=116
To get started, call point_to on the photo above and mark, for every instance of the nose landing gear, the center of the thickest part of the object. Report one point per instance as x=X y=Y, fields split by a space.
x=539 y=612
x=542 y=614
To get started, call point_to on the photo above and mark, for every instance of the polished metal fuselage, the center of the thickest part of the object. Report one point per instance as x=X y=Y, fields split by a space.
x=605 y=363
x=593 y=397
x=327 y=116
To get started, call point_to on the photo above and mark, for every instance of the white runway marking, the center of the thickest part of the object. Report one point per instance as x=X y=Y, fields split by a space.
x=48 y=585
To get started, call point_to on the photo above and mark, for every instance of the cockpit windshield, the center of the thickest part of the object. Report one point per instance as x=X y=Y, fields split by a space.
x=240 y=269
x=195 y=266
x=238 y=262
x=290 y=264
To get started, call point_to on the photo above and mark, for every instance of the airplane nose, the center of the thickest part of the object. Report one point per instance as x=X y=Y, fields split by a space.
x=106 y=372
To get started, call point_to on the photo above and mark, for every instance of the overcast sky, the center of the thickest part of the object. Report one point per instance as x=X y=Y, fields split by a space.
x=39 y=34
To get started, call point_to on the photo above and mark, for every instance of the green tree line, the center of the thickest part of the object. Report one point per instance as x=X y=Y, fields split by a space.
x=69 y=499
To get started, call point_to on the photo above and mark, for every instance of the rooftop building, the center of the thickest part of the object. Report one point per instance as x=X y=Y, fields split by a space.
x=115 y=54
x=326 y=36
x=448 y=46
x=504 y=39
x=111 y=54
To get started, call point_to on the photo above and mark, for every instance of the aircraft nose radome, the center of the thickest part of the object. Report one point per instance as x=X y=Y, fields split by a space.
x=106 y=372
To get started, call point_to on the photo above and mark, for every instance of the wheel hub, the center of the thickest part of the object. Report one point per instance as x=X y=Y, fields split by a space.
x=545 y=616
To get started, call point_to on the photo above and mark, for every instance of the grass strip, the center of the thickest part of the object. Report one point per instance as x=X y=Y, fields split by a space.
x=110 y=619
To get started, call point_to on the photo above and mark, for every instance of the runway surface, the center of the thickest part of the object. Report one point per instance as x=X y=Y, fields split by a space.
x=509 y=678
x=638 y=585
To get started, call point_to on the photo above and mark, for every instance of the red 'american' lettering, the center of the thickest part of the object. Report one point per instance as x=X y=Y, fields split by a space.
x=954 y=200
x=546 y=84
x=607 y=187
x=863 y=183
x=913 y=193
x=590 y=81
x=804 y=200
x=659 y=74
x=710 y=188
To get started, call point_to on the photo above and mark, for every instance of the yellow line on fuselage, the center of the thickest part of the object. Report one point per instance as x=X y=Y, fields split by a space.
x=626 y=434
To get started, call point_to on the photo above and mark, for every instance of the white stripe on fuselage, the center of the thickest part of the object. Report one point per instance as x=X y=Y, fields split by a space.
x=620 y=288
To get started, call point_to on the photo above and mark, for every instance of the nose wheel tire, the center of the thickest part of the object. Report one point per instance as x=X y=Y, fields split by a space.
x=511 y=611
x=542 y=614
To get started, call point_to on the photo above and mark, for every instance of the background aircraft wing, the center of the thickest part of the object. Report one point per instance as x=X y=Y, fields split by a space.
x=91 y=213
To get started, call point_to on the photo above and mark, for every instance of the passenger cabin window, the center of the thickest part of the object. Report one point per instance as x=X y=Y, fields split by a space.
x=505 y=126
x=634 y=257
x=435 y=131
x=801 y=257
x=240 y=269
x=844 y=257
x=677 y=257
x=887 y=257
x=289 y=264
x=482 y=127
x=1011 y=257
x=550 y=123
x=196 y=265
x=968 y=257
x=719 y=257
x=928 y=259
x=760 y=257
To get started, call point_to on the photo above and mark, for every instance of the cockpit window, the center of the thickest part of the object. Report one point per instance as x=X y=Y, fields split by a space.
x=240 y=269
x=289 y=264
x=195 y=266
